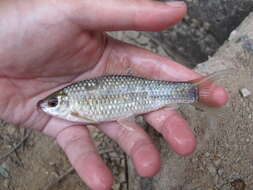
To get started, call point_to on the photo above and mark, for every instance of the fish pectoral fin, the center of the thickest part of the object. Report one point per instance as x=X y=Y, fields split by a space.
x=127 y=122
x=78 y=115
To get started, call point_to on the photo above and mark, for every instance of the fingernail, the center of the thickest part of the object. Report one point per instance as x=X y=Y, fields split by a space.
x=176 y=4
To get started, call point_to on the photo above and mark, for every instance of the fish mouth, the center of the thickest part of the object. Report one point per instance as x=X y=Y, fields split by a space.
x=42 y=104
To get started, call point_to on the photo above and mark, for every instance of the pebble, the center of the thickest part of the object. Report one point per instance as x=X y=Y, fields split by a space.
x=217 y=162
x=207 y=154
x=4 y=170
x=220 y=171
x=6 y=183
x=232 y=35
x=245 y=92
x=116 y=186
x=2 y=123
x=238 y=184
x=212 y=170
x=11 y=129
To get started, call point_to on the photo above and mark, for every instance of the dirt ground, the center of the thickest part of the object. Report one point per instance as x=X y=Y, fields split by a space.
x=223 y=159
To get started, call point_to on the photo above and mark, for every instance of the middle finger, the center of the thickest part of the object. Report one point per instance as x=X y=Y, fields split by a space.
x=137 y=144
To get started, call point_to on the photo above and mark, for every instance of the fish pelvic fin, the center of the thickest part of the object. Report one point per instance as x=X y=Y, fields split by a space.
x=213 y=112
x=82 y=117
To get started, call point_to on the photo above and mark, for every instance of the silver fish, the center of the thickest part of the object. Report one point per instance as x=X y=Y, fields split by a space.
x=115 y=97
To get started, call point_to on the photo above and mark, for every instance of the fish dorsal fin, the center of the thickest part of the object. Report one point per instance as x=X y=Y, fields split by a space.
x=127 y=72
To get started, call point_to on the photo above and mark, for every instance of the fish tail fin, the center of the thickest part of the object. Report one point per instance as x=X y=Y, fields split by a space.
x=205 y=83
x=204 y=87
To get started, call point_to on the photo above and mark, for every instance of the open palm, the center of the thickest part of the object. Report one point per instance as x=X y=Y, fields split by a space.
x=48 y=44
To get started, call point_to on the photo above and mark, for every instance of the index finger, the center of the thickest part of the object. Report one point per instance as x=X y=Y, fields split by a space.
x=127 y=15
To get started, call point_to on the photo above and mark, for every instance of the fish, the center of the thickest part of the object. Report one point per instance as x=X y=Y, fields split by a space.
x=118 y=97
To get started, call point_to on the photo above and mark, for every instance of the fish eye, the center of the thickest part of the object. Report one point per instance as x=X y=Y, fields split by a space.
x=52 y=102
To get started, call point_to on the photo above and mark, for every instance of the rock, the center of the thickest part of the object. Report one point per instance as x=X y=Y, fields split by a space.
x=4 y=170
x=245 y=92
x=205 y=28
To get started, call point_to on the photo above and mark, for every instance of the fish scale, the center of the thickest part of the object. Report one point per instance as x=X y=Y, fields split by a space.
x=113 y=97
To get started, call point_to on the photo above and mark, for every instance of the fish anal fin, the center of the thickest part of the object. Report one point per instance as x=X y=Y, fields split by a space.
x=221 y=113
x=170 y=107
x=127 y=122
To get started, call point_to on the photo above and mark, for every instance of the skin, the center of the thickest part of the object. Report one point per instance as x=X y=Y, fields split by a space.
x=47 y=44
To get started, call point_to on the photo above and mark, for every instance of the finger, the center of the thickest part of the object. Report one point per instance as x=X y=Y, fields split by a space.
x=137 y=144
x=127 y=14
x=78 y=146
x=174 y=129
x=122 y=57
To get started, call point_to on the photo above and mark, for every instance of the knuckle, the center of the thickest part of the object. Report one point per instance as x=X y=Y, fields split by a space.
x=67 y=139
x=85 y=155
x=139 y=145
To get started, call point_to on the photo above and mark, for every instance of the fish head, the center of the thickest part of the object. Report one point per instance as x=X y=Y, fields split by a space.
x=56 y=104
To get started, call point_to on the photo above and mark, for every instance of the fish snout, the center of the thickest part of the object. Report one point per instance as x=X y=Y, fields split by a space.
x=42 y=104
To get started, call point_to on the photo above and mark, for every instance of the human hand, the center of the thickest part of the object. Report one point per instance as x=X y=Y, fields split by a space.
x=48 y=44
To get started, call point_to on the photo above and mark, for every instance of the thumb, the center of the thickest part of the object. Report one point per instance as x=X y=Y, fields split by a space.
x=127 y=14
